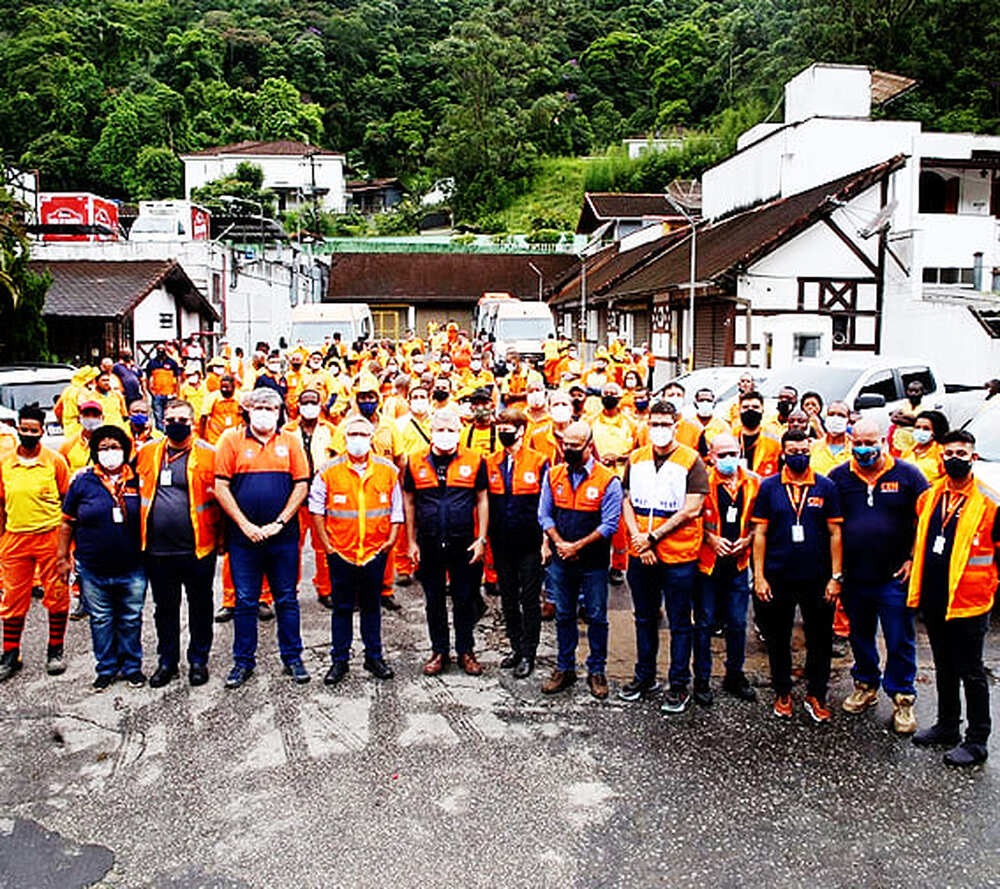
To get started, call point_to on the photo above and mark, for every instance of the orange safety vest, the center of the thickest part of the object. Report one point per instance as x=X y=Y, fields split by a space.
x=749 y=483
x=224 y=414
x=206 y=519
x=972 y=572
x=765 y=453
x=589 y=493
x=461 y=471
x=656 y=494
x=526 y=476
x=689 y=432
x=359 y=507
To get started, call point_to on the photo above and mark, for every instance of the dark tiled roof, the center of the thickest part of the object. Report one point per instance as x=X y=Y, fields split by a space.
x=372 y=184
x=727 y=245
x=611 y=205
x=287 y=147
x=95 y=289
x=440 y=277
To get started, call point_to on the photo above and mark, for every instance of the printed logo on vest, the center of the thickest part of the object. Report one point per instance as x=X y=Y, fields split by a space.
x=340 y=498
x=281 y=450
x=889 y=487
x=465 y=471
x=592 y=493
x=529 y=478
x=815 y=501
x=383 y=498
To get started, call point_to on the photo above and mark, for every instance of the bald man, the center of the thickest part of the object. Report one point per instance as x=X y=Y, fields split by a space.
x=579 y=511
x=878 y=497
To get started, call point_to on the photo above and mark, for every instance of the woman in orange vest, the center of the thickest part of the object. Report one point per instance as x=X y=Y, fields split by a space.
x=926 y=454
x=180 y=524
x=953 y=582
x=357 y=511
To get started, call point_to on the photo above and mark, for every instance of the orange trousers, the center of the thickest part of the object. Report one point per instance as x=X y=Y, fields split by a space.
x=321 y=580
x=21 y=555
x=229 y=591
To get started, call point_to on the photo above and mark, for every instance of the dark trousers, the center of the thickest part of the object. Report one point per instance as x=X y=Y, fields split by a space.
x=445 y=570
x=724 y=598
x=957 y=646
x=350 y=582
x=279 y=561
x=675 y=586
x=167 y=574
x=519 y=577
x=778 y=617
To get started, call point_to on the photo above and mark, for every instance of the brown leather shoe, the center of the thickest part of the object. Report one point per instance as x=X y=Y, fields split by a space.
x=548 y=610
x=598 y=684
x=435 y=664
x=467 y=661
x=559 y=680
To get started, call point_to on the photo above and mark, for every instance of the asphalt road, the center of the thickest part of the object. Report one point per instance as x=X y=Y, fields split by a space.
x=455 y=781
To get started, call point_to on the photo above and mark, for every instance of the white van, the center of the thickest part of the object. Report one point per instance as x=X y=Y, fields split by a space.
x=313 y=322
x=524 y=326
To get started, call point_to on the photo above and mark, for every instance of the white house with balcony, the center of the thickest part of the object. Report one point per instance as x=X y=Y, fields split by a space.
x=909 y=266
x=296 y=172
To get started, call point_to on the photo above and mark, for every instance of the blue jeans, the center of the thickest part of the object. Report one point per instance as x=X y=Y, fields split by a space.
x=363 y=582
x=115 y=608
x=867 y=605
x=159 y=405
x=651 y=585
x=566 y=582
x=724 y=600
x=280 y=562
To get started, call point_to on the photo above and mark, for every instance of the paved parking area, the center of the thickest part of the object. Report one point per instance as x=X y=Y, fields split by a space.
x=455 y=781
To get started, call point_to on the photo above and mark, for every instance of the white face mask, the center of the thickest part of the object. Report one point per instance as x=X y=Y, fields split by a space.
x=315 y=365
x=476 y=365
x=922 y=436
x=418 y=406
x=562 y=413
x=536 y=399
x=445 y=368
x=358 y=445
x=334 y=371
x=263 y=420
x=111 y=460
x=274 y=368
x=309 y=411
x=597 y=380
x=705 y=409
x=836 y=424
x=661 y=436
x=444 y=440
x=90 y=423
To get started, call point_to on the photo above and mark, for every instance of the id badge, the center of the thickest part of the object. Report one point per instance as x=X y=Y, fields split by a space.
x=166 y=477
x=731 y=515
x=938 y=547
x=229 y=421
x=116 y=515
x=798 y=534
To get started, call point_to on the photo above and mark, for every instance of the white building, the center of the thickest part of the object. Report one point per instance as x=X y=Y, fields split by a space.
x=296 y=172
x=915 y=259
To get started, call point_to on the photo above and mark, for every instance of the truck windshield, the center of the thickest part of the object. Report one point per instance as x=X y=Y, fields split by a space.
x=15 y=395
x=508 y=329
x=313 y=332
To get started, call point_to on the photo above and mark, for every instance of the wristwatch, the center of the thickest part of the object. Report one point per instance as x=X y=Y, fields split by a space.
x=482 y=540
x=653 y=541
x=839 y=577
x=280 y=521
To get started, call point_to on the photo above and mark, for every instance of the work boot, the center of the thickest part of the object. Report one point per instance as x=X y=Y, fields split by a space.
x=703 y=693
x=79 y=612
x=965 y=755
x=548 y=611
x=558 y=681
x=904 y=720
x=55 y=662
x=738 y=686
x=389 y=603
x=936 y=735
x=224 y=614
x=265 y=611
x=863 y=697
x=10 y=663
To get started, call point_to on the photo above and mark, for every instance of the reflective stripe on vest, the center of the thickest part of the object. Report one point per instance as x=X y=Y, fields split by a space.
x=657 y=494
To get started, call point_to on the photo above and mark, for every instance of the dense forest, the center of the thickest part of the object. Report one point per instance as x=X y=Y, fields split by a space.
x=100 y=94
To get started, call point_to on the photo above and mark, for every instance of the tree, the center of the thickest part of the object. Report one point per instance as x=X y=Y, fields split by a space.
x=156 y=174
x=245 y=183
x=278 y=112
x=23 y=335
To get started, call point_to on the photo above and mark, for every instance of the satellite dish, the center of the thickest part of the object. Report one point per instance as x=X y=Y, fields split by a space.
x=880 y=222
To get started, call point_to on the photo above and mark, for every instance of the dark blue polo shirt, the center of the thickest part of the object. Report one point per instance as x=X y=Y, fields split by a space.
x=879 y=524
x=103 y=546
x=809 y=561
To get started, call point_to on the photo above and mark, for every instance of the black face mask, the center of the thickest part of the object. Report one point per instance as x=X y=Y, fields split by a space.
x=914 y=399
x=577 y=404
x=797 y=463
x=29 y=441
x=160 y=353
x=507 y=438
x=784 y=409
x=957 y=467
x=610 y=402
x=751 y=418
x=574 y=457
x=440 y=395
x=176 y=431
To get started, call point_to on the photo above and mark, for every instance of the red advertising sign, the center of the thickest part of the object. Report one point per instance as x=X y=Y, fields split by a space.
x=200 y=223
x=78 y=209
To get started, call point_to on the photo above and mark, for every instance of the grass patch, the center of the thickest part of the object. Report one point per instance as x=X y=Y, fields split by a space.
x=555 y=196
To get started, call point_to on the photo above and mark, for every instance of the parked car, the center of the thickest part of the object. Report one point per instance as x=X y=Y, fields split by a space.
x=986 y=428
x=721 y=380
x=26 y=383
x=311 y=322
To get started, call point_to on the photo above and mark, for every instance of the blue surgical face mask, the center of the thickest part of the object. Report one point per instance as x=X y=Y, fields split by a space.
x=368 y=408
x=727 y=465
x=138 y=420
x=922 y=436
x=867 y=455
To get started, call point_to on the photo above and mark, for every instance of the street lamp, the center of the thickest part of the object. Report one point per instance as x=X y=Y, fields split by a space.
x=691 y=286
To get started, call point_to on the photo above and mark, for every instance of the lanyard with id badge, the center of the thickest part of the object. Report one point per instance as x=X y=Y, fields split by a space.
x=166 y=473
x=951 y=506
x=797 y=496
x=116 y=488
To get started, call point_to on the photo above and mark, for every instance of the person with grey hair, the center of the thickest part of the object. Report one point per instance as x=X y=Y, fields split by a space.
x=878 y=498
x=261 y=480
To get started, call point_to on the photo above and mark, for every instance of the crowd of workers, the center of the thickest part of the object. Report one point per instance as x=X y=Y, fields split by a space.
x=543 y=484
